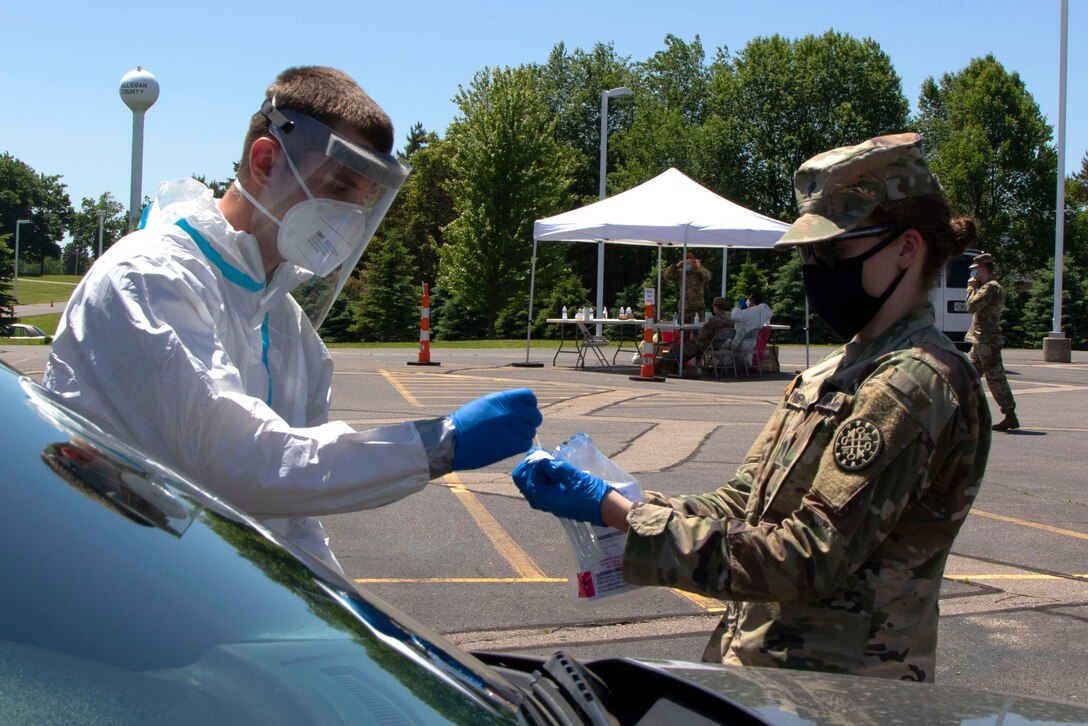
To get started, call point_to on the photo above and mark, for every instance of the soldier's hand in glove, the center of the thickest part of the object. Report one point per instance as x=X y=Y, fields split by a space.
x=557 y=487
x=494 y=427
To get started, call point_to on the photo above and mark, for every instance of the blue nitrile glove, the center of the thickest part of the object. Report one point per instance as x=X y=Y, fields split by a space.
x=494 y=427
x=742 y=302
x=558 y=487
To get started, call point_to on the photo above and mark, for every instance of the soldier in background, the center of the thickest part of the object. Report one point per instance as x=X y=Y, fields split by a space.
x=986 y=301
x=695 y=277
x=718 y=323
x=829 y=542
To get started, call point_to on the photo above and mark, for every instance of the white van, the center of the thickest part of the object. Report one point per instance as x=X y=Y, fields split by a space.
x=947 y=296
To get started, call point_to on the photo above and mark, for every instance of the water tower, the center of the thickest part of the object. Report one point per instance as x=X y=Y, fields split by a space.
x=139 y=90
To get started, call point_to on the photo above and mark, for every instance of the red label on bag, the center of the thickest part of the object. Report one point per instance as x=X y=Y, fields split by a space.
x=585 y=584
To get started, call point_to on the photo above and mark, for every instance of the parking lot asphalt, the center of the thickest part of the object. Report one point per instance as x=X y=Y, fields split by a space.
x=467 y=556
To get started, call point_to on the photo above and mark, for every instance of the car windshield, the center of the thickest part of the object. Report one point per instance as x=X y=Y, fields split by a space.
x=128 y=593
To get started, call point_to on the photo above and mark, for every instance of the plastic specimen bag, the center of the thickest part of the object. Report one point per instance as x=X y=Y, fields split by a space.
x=597 y=551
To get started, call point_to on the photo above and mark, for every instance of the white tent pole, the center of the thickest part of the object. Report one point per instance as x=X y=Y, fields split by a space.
x=683 y=283
x=532 y=284
x=660 y=297
x=683 y=308
x=725 y=267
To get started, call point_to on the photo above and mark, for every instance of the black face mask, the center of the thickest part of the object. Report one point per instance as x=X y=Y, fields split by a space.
x=837 y=295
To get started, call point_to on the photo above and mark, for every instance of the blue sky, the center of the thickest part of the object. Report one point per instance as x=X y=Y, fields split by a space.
x=63 y=62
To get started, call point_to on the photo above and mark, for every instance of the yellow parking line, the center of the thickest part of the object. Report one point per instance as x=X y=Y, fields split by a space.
x=1033 y=576
x=399 y=388
x=445 y=580
x=706 y=603
x=503 y=542
x=711 y=605
x=1026 y=523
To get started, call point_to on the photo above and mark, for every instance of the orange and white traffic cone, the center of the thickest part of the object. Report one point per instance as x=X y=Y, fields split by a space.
x=425 y=332
x=646 y=369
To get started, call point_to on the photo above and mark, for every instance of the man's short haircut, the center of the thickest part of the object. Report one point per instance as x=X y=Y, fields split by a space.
x=327 y=95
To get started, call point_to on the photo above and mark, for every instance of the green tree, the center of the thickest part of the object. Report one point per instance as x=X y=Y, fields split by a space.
x=988 y=143
x=571 y=84
x=779 y=102
x=7 y=300
x=568 y=292
x=1076 y=216
x=424 y=206
x=388 y=307
x=76 y=257
x=452 y=319
x=1038 y=307
x=508 y=170
x=83 y=231
x=418 y=138
x=1078 y=184
x=338 y=324
x=670 y=104
x=219 y=188
x=749 y=278
x=43 y=199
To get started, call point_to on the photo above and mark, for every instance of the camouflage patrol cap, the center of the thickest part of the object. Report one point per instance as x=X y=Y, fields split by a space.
x=838 y=189
x=721 y=302
x=983 y=259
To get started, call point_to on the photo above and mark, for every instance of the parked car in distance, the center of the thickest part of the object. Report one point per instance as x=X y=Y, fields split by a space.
x=25 y=330
x=130 y=595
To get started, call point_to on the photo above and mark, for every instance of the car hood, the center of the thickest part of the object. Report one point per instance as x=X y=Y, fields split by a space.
x=795 y=697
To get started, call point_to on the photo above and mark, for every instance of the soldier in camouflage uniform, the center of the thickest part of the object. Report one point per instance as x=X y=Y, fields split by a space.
x=718 y=323
x=695 y=279
x=986 y=301
x=830 y=541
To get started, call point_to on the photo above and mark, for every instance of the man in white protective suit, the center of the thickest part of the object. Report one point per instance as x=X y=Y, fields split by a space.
x=195 y=336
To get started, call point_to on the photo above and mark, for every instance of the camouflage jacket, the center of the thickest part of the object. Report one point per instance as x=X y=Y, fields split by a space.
x=716 y=323
x=696 y=279
x=986 y=302
x=830 y=541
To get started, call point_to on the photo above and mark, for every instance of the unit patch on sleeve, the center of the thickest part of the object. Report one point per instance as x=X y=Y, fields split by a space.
x=858 y=444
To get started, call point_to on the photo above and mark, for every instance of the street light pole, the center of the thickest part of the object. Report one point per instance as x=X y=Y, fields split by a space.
x=15 y=281
x=101 y=214
x=1056 y=347
x=605 y=95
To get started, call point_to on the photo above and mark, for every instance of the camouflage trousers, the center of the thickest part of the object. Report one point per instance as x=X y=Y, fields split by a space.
x=986 y=358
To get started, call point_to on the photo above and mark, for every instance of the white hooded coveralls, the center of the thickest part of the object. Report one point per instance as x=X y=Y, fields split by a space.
x=174 y=342
x=748 y=319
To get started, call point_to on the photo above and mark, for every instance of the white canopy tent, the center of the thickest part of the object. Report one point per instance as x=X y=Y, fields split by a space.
x=668 y=210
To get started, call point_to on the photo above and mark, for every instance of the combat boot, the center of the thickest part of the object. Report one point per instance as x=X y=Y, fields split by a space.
x=1009 y=422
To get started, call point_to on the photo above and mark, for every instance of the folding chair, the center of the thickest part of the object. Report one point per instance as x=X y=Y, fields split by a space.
x=751 y=356
x=591 y=342
x=719 y=356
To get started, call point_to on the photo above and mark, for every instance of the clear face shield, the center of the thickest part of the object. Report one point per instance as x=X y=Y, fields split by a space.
x=343 y=191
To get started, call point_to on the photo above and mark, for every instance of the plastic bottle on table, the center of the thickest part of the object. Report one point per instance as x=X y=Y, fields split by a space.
x=564 y=313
